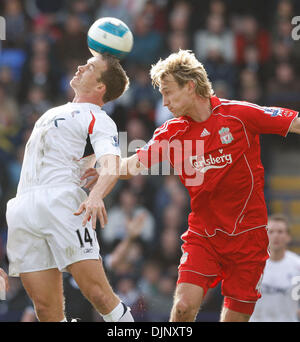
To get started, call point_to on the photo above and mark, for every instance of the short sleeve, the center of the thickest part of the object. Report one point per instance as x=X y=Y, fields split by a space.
x=103 y=135
x=266 y=120
x=156 y=150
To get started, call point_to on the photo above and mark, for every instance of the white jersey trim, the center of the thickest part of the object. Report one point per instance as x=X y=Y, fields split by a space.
x=202 y=274
x=223 y=231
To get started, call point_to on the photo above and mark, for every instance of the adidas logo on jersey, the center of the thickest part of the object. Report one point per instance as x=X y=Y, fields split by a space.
x=204 y=133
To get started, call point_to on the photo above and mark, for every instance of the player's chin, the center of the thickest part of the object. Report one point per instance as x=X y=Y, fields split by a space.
x=73 y=82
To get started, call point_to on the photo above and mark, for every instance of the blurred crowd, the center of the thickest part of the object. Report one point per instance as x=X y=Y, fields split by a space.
x=249 y=53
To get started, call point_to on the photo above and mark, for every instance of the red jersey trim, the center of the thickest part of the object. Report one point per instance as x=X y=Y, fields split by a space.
x=92 y=123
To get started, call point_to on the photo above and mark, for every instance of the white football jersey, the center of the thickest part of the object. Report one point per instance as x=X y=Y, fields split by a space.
x=64 y=143
x=278 y=302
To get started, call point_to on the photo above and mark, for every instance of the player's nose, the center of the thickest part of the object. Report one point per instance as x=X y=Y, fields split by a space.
x=80 y=68
x=166 y=102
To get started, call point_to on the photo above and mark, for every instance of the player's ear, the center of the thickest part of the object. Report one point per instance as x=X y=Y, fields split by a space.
x=191 y=86
x=101 y=87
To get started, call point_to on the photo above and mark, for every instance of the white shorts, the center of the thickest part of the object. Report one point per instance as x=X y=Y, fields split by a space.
x=43 y=233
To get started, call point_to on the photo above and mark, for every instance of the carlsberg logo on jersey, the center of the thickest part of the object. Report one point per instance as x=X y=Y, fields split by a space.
x=201 y=164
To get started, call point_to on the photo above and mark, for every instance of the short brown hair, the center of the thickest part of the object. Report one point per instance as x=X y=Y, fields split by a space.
x=280 y=218
x=184 y=67
x=114 y=78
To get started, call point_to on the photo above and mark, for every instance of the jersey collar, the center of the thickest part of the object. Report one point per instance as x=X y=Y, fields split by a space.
x=214 y=102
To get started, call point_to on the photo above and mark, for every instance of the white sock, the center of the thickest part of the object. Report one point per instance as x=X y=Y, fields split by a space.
x=121 y=313
x=64 y=320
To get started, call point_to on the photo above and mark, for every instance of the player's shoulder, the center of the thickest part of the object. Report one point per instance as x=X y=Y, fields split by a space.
x=293 y=257
x=104 y=121
x=91 y=114
x=237 y=106
x=171 y=127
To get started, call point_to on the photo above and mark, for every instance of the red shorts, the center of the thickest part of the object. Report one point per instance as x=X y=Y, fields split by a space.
x=238 y=261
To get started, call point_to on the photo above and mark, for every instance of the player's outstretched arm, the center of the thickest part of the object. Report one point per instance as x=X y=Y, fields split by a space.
x=94 y=206
x=295 y=126
x=130 y=167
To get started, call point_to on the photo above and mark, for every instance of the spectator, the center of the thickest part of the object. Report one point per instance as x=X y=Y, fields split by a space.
x=219 y=69
x=283 y=88
x=179 y=18
x=215 y=34
x=116 y=9
x=252 y=35
x=82 y=9
x=177 y=40
x=15 y=24
x=39 y=72
x=10 y=124
x=118 y=216
x=7 y=81
x=72 y=45
x=277 y=303
x=145 y=39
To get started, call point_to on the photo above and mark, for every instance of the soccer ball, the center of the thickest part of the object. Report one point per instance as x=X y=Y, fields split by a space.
x=110 y=35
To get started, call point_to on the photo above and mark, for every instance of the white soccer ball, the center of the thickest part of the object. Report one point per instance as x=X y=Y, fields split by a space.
x=110 y=35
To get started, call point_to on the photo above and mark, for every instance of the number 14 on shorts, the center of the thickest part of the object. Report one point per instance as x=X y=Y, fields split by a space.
x=84 y=237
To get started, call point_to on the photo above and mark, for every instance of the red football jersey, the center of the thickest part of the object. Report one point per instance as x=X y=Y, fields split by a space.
x=218 y=160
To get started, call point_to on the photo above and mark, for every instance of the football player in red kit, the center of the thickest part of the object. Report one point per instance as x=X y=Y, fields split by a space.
x=213 y=144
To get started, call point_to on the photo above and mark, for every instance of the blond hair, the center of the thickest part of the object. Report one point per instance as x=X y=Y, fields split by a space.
x=184 y=67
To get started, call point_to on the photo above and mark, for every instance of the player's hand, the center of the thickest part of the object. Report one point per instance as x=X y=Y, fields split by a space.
x=5 y=277
x=90 y=173
x=93 y=208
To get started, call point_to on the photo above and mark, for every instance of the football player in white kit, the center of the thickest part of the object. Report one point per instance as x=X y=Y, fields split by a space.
x=51 y=220
x=280 y=298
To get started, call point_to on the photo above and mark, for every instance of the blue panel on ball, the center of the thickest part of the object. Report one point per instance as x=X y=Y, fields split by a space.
x=93 y=44
x=118 y=31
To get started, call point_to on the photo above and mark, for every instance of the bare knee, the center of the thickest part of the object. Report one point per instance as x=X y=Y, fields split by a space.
x=187 y=301
x=184 y=310
x=48 y=310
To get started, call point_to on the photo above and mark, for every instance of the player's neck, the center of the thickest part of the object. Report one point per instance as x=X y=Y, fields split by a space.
x=87 y=99
x=277 y=255
x=200 y=110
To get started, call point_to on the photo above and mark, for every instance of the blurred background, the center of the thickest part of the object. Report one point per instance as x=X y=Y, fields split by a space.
x=249 y=53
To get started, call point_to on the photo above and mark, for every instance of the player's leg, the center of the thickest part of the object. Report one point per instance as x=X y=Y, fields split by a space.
x=243 y=274
x=93 y=283
x=45 y=288
x=228 y=315
x=198 y=271
x=187 y=301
